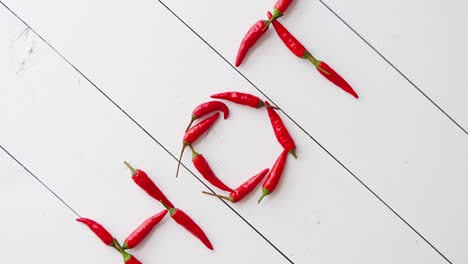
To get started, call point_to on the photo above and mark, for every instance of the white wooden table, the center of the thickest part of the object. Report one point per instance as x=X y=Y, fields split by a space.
x=87 y=84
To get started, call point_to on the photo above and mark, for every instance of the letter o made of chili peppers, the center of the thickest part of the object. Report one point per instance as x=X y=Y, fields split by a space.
x=282 y=135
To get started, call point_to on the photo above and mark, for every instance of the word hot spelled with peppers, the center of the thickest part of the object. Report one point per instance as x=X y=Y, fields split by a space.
x=201 y=164
x=259 y=29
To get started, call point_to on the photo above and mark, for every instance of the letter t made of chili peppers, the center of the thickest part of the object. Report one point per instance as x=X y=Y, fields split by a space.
x=300 y=51
x=194 y=133
x=184 y=220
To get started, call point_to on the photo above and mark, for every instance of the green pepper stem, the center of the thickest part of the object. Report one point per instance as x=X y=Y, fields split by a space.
x=126 y=257
x=315 y=62
x=184 y=145
x=194 y=153
x=293 y=152
x=273 y=107
x=171 y=210
x=220 y=196
x=115 y=244
x=194 y=117
x=165 y=205
x=125 y=246
x=268 y=23
x=276 y=14
x=260 y=104
x=133 y=170
x=265 y=192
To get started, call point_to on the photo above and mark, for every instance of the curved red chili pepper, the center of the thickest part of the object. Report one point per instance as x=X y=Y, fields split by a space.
x=143 y=230
x=281 y=132
x=184 y=220
x=99 y=230
x=241 y=98
x=201 y=164
x=275 y=174
x=280 y=7
x=207 y=108
x=336 y=79
x=299 y=50
x=194 y=133
x=241 y=191
x=130 y=259
x=252 y=36
x=143 y=180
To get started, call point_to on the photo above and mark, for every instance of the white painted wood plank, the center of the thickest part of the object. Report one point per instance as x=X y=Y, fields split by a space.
x=426 y=40
x=75 y=141
x=37 y=228
x=347 y=219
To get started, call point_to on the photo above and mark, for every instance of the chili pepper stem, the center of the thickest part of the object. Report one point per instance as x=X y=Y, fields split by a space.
x=273 y=107
x=194 y=117
x=126 y=256
x=115 y=244
x=265 y=192
x=125 y=246
x=185 y=144
x=219 y=196
x=293 y=152
x=194 y=153
x=170 y=209
x=276 y=15
x=315 y=62
x=134 y=171
x=267 y=24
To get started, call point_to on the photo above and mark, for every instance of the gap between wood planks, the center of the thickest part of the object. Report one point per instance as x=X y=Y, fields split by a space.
x=260 y=91
x=393 y=66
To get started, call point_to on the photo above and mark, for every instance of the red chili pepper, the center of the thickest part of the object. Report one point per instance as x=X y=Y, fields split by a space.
x=300 y=51
x=241 y=98
x=194 y=133
x=143 y=230
x=275 y=174
x=184 y=220
x=281 y=132
x=130 y=259
x=201 y=164
x=143 y=180
x=280 y=7
x=252 y=36
x=244 y=189
x=99 y=230
x=336 y=79
x=207 y=108
x=289 y=40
